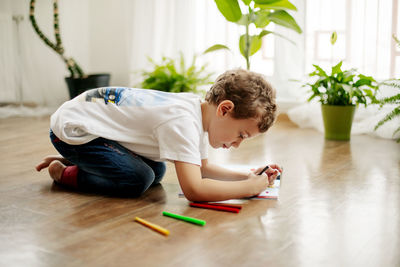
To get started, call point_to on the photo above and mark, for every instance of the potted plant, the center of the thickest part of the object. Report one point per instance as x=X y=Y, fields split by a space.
x=78 y=81
x=166 y=76
x=340 y=92
x=260 y=13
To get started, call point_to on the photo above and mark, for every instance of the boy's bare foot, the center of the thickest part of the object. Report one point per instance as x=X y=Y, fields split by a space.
x=49 y=159
x=56 y=169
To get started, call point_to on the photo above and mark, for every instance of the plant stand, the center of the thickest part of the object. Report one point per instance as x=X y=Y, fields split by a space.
x=76 y=86
x=338 y=121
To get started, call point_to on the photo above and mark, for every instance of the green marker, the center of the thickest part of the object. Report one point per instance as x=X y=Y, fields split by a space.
x=184 y=218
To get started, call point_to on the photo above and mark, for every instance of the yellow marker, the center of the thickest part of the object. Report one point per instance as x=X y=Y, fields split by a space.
x=153 y=226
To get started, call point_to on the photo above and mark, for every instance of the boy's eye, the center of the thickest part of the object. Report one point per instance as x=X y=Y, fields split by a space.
x=243 y=136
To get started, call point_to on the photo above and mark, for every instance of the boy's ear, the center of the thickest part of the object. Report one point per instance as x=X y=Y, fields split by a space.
x=225 y=107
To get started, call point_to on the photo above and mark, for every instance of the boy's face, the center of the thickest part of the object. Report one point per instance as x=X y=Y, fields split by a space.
x=225 y=131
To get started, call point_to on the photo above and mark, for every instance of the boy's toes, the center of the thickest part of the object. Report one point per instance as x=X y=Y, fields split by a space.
x=38 y=168
x=56 y=169
x=41 y=165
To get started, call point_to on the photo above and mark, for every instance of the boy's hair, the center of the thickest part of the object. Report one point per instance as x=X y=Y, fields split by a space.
x=251 y=94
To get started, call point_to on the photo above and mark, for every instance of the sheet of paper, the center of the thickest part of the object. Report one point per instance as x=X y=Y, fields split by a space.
x=270 y=192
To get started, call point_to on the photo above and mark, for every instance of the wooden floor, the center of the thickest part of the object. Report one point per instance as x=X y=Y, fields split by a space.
x=339 y=205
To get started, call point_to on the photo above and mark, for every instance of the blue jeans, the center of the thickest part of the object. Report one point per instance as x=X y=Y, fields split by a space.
x=107 y=167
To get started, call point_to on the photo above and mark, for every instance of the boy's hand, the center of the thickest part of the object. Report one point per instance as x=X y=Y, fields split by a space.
x=259 y=182
x=272 y=172
x=49 y=159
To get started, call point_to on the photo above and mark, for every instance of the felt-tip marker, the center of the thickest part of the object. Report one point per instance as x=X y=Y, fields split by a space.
x=266 y=168
x=261 y=172
x=184 y=218
x=152 y=226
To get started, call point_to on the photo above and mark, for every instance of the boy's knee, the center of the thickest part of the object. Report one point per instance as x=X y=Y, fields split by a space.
x=159 y=172
x=144 y=184
x=137 y=183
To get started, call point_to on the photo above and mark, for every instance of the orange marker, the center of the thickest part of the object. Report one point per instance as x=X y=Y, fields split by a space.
x=152 y=226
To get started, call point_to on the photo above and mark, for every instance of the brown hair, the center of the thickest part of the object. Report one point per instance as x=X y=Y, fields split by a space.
x=251 y=94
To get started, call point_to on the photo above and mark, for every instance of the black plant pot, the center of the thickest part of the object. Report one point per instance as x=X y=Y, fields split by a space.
x=76 y=86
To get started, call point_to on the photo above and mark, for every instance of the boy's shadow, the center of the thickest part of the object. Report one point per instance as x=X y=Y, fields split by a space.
x=156 y=193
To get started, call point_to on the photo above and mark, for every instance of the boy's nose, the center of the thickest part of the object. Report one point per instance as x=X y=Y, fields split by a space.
x=237 y=143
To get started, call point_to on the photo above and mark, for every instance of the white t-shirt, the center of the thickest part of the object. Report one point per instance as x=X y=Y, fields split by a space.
x=154 y=124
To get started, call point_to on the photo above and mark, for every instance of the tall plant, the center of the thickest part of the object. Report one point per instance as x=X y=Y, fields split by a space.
x=74 y=69
x=260 y=13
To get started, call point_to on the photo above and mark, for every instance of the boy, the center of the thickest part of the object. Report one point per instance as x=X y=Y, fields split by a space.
x=113 y=140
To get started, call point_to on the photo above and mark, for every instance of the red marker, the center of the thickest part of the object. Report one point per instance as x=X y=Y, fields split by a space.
x=225 y=205
x=215 y=207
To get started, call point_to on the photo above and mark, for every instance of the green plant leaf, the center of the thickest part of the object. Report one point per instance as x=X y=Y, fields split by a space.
x=336 y=69
x=230 y=9
x=369 y=78
x=242 y=45
x=347 y=87
x=347 y=76
x=246 y=2
x=265 y=32
x=395 y=99
x=333 y=37
x=284 y=19
x=362 y=82
x=255 y=44
x=318 y=71
x=244 y=20
x=261 y=18
x=266 y=2
x=182 y=62
x=396 y=40
x=395 y=112
x=282 y=4
x=215 y=47
x=369 y=93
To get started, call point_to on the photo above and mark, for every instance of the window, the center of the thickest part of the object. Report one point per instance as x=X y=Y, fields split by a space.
x=263 y=60
x=364 y=31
